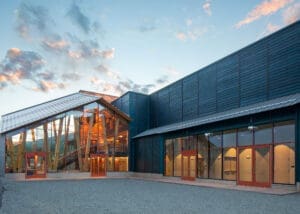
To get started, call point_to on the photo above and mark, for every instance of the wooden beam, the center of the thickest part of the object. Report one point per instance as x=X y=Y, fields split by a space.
x=66 y=145
x=77 y=139
x=45 y=144
x=57 y=143
x=21 y=151
x=34 y=146
x=105 y=140
x=116 y=134
x=88 y=143
x=11 y=153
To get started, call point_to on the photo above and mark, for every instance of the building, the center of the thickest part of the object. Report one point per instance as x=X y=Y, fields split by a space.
x=237 y=119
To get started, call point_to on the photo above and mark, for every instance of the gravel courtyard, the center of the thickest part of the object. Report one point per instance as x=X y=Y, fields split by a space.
x=137 y=196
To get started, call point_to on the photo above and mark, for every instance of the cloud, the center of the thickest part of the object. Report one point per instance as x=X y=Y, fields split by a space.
x=162 y=80
x=181 y=36
x=79 y=19
x=46 y=86
x=70 y=76
x=55 y=43
x=30 y=17
x=108 y=54
x=104 y=69
x=272 y=28
x=120 y=87
x=207 y=7
x=171 y=71
x=292 y=14
x=192 y=34
x=19 y=65
x=265 y=8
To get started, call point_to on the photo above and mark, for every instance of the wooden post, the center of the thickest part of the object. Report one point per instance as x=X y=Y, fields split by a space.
x=57 y=142
x=21 y=151
x=66 y=145
x=105 y=141
x=45 y=144
x=77 y=139
x=88 y=144
x=34 y=146
x=117 y=121
x=11 y=152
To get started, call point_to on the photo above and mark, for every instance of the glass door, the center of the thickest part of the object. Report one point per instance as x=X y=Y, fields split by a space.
x=254 y=166
x=35 y=165
x=189 y=165
x=98 y=166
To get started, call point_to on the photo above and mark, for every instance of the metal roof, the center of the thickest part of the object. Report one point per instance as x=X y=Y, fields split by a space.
x=42 y=111
x=238 y=112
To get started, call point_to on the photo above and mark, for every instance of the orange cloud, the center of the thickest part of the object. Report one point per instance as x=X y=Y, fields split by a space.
x=56 y=45
x=181 y=36
x=263 y=9
x=292 y=14
x=13 y=52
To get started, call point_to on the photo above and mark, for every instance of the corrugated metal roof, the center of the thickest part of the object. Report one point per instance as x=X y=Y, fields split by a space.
x=238 y=112
x=42 y=111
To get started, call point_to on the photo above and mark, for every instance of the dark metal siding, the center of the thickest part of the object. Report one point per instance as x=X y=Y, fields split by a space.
x=267 y=69
x=149 y=154
x=253 y=66
x=207 y=90
x=190 y=97
x=137 y=106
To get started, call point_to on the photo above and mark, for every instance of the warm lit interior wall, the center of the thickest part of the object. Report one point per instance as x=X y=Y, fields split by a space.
x=70 y=138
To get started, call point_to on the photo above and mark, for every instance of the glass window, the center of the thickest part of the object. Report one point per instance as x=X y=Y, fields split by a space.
x=284 y=132
x=229 y=138
x=202 y=156
x=229 y=163
x=284 y=152
x=229 y=155
x=169 y=161
x=189 y=143
x=177 y=157
x=215 y=160
x=245 y=137
x=284 y=163
x=263 y=134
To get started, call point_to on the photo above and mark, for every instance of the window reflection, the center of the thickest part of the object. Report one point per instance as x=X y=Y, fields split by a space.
x=69 y=140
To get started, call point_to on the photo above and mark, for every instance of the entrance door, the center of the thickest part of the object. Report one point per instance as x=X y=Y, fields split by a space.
x=254 y=164
x=36 y=166
x=189 y=165
x=98 y=167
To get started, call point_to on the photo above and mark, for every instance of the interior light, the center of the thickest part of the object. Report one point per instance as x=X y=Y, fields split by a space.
x=251 y=128
x=208 y=134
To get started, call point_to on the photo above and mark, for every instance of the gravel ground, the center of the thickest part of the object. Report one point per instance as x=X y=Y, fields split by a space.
x=137 y=196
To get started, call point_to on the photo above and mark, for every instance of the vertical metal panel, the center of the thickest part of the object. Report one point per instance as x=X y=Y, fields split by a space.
x=156 y=153
x=253 y=73
x=207 y=90
x=163 y=107
x=154 y=110
x=190 y=97
x=228 y=83
x=175 y=104
x=284 y=75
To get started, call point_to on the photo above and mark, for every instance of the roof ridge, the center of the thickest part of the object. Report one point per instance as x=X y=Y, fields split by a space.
x=49 y=101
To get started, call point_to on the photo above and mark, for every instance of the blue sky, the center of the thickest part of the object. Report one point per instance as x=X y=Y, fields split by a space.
x=53 y=48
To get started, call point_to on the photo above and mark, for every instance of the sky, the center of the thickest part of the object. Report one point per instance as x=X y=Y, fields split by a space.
x=49 y=49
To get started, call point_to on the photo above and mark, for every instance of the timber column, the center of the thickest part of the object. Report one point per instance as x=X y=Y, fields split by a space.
x=2 y=155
